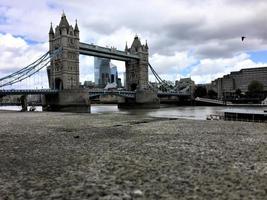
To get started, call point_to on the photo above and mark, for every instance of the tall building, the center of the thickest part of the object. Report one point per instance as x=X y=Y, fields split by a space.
x=239 y=80
x=113 y=74
x=102 y=71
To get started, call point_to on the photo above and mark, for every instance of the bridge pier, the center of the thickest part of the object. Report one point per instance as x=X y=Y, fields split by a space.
x=24 y=103
x=144 y=98
x=69 y=100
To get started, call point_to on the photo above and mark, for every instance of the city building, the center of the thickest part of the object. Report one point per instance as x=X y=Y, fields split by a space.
x=113 y=74
x=184 y=82
x=105 y=72
x=185 y=85
x=239 y=80
x=89 y=84
x=101 y=71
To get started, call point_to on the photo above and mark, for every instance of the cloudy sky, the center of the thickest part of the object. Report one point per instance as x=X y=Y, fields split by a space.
x=186 y=38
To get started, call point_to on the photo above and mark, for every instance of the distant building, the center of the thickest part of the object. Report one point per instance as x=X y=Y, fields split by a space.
x=239 y=80
x=186 y=85
x=89 y=84
x=102 y=71
x=113 y=74
x=105 y=72
x=184 y=82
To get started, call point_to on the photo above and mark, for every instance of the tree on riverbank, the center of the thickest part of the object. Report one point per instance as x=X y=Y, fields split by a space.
x=255 y=87
x=200 y=91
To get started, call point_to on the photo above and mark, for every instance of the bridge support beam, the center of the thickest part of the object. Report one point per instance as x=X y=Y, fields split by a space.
x=143 y=99
x=72 y=100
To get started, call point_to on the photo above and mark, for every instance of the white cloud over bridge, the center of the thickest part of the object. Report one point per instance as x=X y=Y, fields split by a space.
x=201 y=39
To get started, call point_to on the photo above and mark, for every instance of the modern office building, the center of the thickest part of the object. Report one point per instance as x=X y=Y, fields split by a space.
x=105 y=72
x=239 y=80
x=101 y=71
x=113 y=74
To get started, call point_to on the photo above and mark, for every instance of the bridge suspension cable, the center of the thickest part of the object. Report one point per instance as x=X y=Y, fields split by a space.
x=31 y=69
x=162 y=82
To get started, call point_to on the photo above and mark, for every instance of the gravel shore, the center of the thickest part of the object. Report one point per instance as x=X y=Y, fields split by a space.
x=117 y=156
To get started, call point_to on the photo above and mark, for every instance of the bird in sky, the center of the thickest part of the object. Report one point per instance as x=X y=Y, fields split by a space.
x=242 y=38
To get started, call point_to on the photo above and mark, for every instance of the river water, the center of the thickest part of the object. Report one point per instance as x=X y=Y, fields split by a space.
x=187 y=112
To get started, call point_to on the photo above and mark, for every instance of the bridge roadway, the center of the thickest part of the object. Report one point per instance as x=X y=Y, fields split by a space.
x=27 y=91
x=92 y=94
x=123 y=93
x=103 y=52
x=212 y=101
x=131 y=94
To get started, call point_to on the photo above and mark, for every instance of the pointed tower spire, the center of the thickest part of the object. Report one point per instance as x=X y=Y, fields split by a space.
x=136 y=43
x=146 y=46
x=76 y=29
x=64 y=22
x=126 y=47
x=51 y=31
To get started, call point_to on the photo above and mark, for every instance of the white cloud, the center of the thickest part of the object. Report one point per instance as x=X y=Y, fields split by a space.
x=174 y=29
x=16 y=53
x=210 y=69
x=171 y=64
x=86 y=68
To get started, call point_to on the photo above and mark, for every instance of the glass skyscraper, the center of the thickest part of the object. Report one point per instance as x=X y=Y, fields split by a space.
x=102 y=71
x=113 y=74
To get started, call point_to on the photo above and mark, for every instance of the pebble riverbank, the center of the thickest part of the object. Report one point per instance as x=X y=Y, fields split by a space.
x=117 y=156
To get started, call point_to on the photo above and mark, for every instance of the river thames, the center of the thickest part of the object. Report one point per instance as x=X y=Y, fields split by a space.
x=184 y=112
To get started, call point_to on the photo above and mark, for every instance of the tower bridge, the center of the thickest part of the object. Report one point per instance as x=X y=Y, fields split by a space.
x=64 y=93
x=63 y=72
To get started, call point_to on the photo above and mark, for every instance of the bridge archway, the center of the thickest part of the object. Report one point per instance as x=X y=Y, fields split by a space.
x=58 y=84
x=133 y=87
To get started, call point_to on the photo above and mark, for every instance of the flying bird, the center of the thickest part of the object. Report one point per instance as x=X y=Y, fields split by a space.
x=242 y=38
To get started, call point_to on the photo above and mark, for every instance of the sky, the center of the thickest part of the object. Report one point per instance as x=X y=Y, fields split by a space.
x=186 y=38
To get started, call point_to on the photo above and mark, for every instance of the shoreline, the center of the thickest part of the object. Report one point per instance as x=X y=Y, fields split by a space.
x=118 y=156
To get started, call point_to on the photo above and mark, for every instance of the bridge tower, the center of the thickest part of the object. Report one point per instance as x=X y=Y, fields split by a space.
x=137 y=70
x=137 y=78
x=63 y=72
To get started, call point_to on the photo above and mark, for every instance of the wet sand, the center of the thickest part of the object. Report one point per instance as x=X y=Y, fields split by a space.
x=117 y=156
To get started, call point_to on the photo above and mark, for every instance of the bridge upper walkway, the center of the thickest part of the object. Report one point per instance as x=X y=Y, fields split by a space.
x=103 y=52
